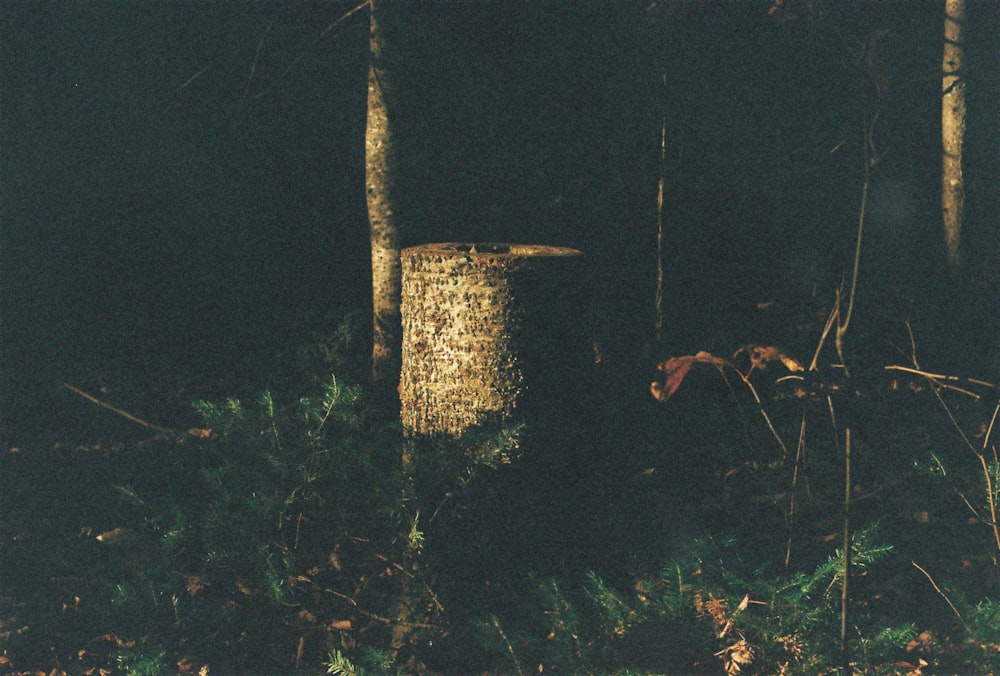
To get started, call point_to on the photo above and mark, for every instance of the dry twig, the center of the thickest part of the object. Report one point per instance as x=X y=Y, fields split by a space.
x=114 y=409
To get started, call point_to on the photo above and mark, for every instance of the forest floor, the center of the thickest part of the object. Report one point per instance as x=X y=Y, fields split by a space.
x=757 y=456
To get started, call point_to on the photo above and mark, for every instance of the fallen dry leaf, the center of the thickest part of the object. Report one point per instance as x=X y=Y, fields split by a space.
x=193 y=584
x=921 y=640
x=300 y=651
x=117 y=537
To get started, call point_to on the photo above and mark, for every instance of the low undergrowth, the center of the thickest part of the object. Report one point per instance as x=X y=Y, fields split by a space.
x=703 y=535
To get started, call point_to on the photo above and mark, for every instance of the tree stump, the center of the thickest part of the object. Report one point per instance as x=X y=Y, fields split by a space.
x=491 y=333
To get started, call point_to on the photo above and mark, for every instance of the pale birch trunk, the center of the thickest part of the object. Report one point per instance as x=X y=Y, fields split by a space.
x=953 y=130
x=379 y=189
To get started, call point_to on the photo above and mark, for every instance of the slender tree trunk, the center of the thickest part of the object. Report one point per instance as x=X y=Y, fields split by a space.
x=379 y=175
x=380 y=168
x=658 y=341
x=953 y=130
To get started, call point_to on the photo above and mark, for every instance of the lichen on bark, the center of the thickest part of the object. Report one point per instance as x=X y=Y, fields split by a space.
x=479 y=321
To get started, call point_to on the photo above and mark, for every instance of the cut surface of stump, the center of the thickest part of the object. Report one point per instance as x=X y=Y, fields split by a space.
x=485 y=329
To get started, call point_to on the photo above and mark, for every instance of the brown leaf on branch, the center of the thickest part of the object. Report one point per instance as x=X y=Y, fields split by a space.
x=676 y=368
x=760 y=355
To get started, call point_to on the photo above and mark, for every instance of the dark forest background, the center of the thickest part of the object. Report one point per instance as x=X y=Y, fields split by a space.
x=183 y=183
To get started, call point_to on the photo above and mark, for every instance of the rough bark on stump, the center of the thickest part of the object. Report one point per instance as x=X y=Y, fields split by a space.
x=488 y=331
